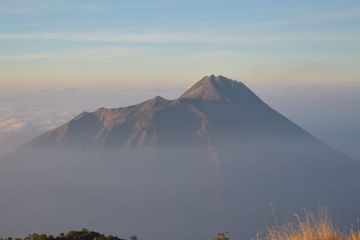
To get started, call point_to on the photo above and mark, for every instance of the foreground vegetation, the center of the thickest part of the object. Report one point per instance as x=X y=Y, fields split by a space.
x=84 y=234
x=309 y=227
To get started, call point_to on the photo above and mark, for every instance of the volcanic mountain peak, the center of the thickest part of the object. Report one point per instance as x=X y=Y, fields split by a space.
x=214 y=108
x=219 y=88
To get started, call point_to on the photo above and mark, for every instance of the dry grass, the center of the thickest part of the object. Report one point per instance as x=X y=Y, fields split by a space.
x=309 y=227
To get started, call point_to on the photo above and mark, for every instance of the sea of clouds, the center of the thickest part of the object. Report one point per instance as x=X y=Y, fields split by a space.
x=330 y=113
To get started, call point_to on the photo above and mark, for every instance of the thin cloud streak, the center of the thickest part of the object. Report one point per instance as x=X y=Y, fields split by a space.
x=185 y=38
x=101 y=53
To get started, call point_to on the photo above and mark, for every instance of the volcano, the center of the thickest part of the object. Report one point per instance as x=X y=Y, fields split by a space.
x=215 y=159
x=215 y=109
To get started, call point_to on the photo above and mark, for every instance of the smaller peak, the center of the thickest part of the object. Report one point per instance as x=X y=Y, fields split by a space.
x=155 y=102
x=158 y=98
x=81 y=115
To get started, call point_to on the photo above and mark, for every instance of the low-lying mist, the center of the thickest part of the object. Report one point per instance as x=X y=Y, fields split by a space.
x=174 y=192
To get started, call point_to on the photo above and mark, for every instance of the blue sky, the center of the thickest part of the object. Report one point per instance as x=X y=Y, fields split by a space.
x=137 y=42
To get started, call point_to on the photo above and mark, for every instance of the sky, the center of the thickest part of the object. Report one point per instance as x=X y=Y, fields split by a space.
x=59 y=58
x=174 y=43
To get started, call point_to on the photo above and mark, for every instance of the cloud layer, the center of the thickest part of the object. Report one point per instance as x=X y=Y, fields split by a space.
x=188 y=37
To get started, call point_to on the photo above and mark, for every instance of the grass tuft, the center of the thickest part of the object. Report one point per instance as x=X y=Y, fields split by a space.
x=309 y=227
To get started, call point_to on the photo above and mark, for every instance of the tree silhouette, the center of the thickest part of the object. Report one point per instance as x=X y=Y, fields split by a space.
x=221 y=236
